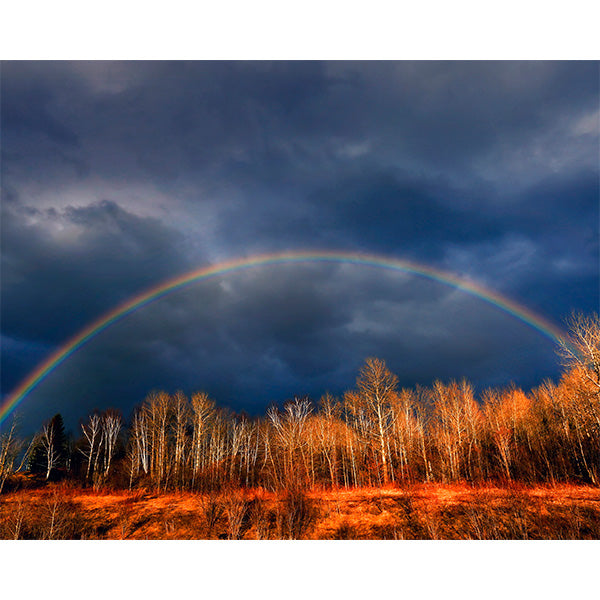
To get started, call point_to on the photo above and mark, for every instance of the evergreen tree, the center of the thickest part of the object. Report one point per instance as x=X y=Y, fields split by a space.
x=59 y=441
x=49 y=452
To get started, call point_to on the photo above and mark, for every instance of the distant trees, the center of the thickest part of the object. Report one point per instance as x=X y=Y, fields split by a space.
x=377 y=434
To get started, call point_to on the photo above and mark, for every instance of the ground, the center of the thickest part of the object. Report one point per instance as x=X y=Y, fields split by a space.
x=422 y=511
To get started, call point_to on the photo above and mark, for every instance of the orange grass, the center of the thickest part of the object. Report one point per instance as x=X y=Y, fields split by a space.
x=420 y=511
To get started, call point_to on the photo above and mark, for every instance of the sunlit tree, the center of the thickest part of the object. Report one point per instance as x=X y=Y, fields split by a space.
x=581 y=349
x=373 y=400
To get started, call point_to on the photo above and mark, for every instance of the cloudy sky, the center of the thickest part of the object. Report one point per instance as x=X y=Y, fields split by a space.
x=117 y=176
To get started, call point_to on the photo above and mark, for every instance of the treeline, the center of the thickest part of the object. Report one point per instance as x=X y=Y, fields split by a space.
x=376 y=434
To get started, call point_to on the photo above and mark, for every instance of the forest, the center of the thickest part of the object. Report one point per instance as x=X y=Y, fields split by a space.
x=376 y=436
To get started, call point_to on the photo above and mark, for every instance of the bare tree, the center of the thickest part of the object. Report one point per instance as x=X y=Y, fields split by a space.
x=203 y=411
x=159 y=414
x=91 y=432
x=181 y=418
x=140 y=443
x=376 y=393
x=455 y=427
x=506 y=414
x=328 y=425
x=111 y=426
x=48 y=437
x=9 y=449
x=407 y=432
x=289 y=427
x=582 y=347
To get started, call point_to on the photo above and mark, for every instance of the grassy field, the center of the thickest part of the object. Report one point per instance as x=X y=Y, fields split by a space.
x=425 y=511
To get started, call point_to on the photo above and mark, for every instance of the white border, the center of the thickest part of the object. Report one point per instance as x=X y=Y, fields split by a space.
x=312 y=29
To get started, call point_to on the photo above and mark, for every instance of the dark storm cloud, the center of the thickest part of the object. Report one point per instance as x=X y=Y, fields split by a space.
x=306 y=332
x=267 y=122
x=543 y=209
x=116 y=176
x=61 y=270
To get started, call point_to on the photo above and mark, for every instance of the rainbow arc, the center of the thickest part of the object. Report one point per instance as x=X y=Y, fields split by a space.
x=141 y=300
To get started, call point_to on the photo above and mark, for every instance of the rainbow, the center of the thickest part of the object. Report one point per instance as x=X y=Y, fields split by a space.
x=240 y=264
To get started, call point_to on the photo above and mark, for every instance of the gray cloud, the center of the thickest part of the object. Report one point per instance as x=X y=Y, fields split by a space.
x=62 y=269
